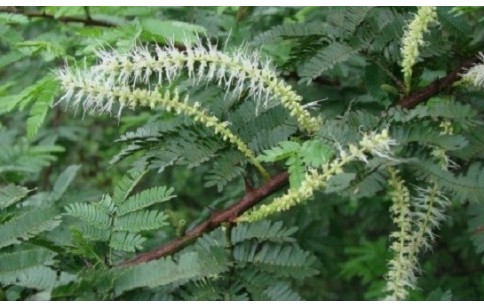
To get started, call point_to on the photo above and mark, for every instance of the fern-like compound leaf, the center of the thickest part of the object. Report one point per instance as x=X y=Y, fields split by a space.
x=145 y=199
x=294 y=30
x=28 y=224
x=263 y=230
x=283 y=260
x=141 y=221
x=37 y=277
x=126 y=184
x=326 y=58
x=126 y=241
x=96 y=216
x=24 y=259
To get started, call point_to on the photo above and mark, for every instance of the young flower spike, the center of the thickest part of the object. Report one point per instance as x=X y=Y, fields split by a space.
x=239 y=72
x=398 y=276
x=373 y=143
x=94 y=94
x=413 y=39
x=416 y=218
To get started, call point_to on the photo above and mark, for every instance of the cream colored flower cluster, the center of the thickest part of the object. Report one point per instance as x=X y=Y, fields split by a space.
x=415 y=218
x=378 y=144
x=135 y=78
x=413 y=39
x=399 y=276
x=239 y=72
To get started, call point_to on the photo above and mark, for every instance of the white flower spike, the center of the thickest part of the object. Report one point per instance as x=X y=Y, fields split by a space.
x=240 y=72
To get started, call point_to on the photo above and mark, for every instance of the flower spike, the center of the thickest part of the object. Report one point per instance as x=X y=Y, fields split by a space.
x=240 y=71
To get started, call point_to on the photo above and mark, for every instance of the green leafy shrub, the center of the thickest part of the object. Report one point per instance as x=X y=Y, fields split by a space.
x=241 y=153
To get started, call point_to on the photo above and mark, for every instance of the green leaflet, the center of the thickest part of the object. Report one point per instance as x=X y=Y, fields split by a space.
x=141 y=221
x=264 y=286
x=225 y=170
x=326 y=58
x=281 y=292
x=285 y=260
x=294 y=30
x=38 y=277
x=96 y=216
x=11 y=194
x=42 y=95
x=285 y=150
x=475 y=149
x=39 y=110
x=64 y=180
x=126 y=241
x=31 y=268
x=145 y=199
x=354 y=16
x=428 y=135
x=453 y=23
x=126 y=185
x=23 y=98
x=263 y=230
x=28 y=224
x=339 y=182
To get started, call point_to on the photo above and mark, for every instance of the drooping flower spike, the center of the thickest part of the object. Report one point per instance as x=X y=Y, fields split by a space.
x=239 y=72
x=416 y=219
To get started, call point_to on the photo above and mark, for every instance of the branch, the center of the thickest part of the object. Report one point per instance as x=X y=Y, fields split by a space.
x=66 y=19
x=230 y=214
x=437 y=86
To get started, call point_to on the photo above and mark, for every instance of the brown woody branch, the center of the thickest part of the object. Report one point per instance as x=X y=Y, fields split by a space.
x=230 y=214
x=438 y=86
x=66 y=19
